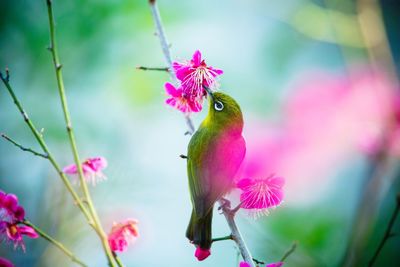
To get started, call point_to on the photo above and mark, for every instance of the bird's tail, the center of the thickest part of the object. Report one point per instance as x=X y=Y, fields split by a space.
x=199 y=229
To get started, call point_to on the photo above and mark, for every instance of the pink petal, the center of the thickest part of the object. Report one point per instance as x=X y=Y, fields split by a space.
x=171 y=101
x=19 y=213
x=182 y=73
x=277 y=197
x=6 y=263
x=202 y=254
x=96 y=164
x=276 y=181
x=11 y=202
x=195 y=106
x=172 y=91
x=196 y=58
x=243 y=183
x=2 y=196
x=275 y=264
x=182 y=106
x=87 y=170
x=70 y=169
x=28 y=231
x=177 y=65
x=217 y=71
x=244 y=264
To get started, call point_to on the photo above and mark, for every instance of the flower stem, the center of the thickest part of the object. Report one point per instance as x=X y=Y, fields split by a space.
x=56 y=243
x=388 y=232
x=167 y=53
x=24 y=148
x=71 y=136
x=235 y=232
x=43 y=145
x=289 y=251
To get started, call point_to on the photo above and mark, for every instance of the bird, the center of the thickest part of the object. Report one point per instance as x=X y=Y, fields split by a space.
x=215 y=153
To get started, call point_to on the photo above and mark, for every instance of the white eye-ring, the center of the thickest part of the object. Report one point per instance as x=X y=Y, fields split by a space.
x=218 y=105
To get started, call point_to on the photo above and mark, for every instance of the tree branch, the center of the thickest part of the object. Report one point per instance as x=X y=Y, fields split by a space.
x=24 y=148
x=225 y=206
x=44 y=147
x=71 y=136
x=167 y=53
x=150 y=68
x=290 y=251
x=56 y=243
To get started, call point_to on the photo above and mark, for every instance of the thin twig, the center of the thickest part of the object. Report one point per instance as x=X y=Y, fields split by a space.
x=225 y=206
x=228 y=237
x=56 y=243
x=24 y=148
x=388 y=232
x=71 y=136
x=258 y=261
x=167 y=53
x=150 y=68
x=289 y=251
x=43 y=145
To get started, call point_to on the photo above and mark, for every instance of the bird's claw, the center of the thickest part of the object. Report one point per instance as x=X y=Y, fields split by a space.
x=225 y=205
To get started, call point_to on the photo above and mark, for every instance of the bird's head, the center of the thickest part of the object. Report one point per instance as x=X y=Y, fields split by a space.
x=224 y=112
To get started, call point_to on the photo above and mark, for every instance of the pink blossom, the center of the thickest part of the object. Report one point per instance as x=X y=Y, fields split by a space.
x=14 y=233
x=179 y=100
x=92 y=169
x=10 y=211
x=6 y=263
x=11 y=214
x=260 y=194
x=195 y=74
x=122 y=234
x=202 y=254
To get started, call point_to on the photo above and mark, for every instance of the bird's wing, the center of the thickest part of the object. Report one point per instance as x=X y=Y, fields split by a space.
x=213 y=160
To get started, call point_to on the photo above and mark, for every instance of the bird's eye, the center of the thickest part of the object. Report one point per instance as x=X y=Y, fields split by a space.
x=218 y=105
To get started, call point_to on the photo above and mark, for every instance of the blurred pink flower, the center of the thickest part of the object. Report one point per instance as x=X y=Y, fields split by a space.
x=6 y=263
x=10 y=211
x=92 y=169
x=326 y=121
x=258 y=195
x=11 y=214
x=14 y=233
x=195 y=74
x=275 y=264
x=122 y=234
x=179 y=100
x=202 y=254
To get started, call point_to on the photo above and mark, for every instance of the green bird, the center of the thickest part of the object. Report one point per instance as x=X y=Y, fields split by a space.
x=215 y=153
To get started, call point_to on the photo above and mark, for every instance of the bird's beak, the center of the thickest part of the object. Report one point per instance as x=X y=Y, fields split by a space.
x=209 y=92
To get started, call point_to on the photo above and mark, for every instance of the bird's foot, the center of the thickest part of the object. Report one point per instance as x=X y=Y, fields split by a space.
x=225 y=205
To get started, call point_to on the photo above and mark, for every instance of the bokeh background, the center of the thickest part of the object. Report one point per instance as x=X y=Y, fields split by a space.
x=315 y=80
